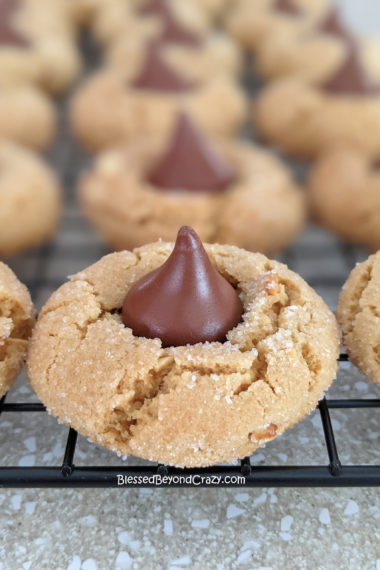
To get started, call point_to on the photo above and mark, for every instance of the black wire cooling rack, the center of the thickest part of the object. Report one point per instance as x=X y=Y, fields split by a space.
x=244 y=474
x=74 y=248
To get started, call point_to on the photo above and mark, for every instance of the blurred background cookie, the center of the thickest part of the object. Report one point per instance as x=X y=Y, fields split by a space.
x=358 y=314
x=229 y=191
x=107 y=110
x=173 y=20
x=88 y=13
x=252 y=24
x=344 y=190
x=316 y=54
x=27 y=116
x=127 y=31
x=30 y=199
x=82 y=12
x=16 y=323
x=195 y=54
x=37 y=44
x=305 y=119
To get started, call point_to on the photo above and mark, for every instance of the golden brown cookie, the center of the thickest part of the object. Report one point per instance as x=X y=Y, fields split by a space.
x=82 y=11
x=196 y=53
x=312 y=57
x=119 y=18
x=216 y=55
x=254 y=23
x=188 y=405
x=37 y=45
x=27 y=116
x=344 y=190
x=106 y=111
x=19 y=67
x=305 y=120
x=212 y=10
x=43 y=16
x=89 y=13
x=16 y=323
x=261 y=210
x=30 y=200
x=60 y=64
x=359 y=316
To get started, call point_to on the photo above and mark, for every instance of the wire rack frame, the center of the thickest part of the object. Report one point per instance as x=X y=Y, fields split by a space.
x=69 y=474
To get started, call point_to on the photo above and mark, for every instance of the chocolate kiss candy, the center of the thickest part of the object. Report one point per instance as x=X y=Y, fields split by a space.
x=9 y=36
x=288 y=7
x=174 y=32
x=191 y=163
x=333 y=26
x=12 y=37
x=159 y=7
x=157 y=75
x=351 y=78
x=7 y=7
x=185 y=301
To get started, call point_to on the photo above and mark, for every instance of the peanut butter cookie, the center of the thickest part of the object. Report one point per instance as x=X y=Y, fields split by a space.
x=306 y=119
x=16 y=323
x=107 y=111
x=117 y=18
x=37 y=45
x=344 y=191
x=30 y=200
x=241 y=195
x=185 y=405
x=316 y=54
x=359 y=316
x=253 y=24
x=27 y=116
x=215 y=55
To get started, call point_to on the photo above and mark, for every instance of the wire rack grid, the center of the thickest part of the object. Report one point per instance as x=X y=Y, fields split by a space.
x=68 y=474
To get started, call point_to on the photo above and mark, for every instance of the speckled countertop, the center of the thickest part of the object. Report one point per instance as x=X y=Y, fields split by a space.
x=255 y=529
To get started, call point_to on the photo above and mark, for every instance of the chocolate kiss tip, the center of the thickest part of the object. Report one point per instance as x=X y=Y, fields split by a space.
x=185 y=300
x=172 y=31
x=159 y=7
x=332 y=25
x=157 y=75
x=287 y=6
x=191 y=163
x=8 y=35
x=7 y=7
x=12 y=37
x=187 y=232
x=351 y=78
